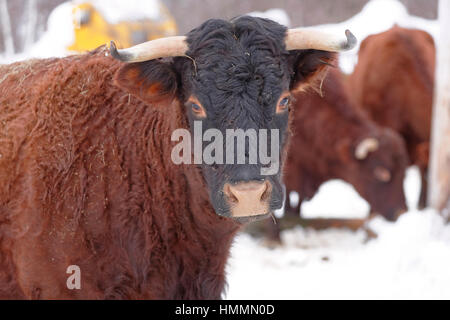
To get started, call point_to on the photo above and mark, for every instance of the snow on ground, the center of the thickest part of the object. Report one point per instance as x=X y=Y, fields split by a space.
x=335 y=199
x=338 y=199
x=409 y=260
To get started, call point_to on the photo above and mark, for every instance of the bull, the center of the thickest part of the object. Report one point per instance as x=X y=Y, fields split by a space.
x=85 y=159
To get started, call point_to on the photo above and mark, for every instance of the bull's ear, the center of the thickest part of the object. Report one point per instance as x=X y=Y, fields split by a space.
x=310 y=68
x=344 y=150
x=150 y=81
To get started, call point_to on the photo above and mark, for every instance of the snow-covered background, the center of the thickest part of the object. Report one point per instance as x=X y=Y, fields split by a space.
x=408 y=259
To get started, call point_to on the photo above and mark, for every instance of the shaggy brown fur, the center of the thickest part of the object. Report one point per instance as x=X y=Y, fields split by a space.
x=327 y=131
x=393 y=82
x=87 y=180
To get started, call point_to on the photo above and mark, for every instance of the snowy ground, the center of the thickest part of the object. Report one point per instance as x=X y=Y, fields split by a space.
x=409 y=259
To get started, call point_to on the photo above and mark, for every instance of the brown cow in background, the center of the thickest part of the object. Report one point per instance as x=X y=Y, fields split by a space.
x=333 y=139
x=393 y=81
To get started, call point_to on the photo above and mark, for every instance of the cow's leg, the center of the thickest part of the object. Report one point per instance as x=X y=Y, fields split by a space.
x=423 y=199
x=422 y=153
x=291 y=211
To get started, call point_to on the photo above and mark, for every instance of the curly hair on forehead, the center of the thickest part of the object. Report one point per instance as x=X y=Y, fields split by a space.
x=241 y=56
x=216 y=35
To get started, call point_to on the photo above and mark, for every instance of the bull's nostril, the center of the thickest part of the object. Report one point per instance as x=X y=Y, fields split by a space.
x=248 y=198
x=266 y=194
x=257 y=191
x=230 y=195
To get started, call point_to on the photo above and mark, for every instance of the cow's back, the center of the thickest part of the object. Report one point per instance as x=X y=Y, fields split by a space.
x=393 y=80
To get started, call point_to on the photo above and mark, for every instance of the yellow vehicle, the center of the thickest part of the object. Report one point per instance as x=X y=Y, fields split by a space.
x=93 y=30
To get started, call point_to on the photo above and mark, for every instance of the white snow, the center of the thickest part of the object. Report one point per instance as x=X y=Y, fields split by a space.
x=60 y=34
x=60 y=29
x=338 y=199
x=335 y=199
x=409 y=260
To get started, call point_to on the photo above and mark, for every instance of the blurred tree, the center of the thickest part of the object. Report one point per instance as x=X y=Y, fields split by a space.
x=440 y=156
x=31 y=14
x=28 y=20
x=5 y=25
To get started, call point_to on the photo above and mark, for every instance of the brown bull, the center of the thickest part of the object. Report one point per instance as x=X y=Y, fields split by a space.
x=393 y=81
x=88 y=177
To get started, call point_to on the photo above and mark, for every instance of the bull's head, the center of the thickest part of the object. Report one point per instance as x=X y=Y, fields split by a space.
x=229 y=76
x=376 y=166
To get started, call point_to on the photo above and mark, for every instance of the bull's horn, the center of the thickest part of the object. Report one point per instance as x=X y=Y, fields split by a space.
x=365 y=147
x=154 y=49
x=308 y=38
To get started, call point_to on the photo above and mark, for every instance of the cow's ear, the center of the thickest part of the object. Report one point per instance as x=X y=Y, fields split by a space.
x=309 y=68
x=344 y=150
x=150 y=81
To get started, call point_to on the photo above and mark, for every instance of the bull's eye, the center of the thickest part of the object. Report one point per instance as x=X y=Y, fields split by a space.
x=196 y=108
x=283 y=104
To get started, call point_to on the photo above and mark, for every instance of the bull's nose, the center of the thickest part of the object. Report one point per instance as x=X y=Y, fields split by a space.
x=248 y=198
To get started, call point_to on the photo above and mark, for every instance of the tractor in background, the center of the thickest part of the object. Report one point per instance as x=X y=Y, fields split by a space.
x=92 y=29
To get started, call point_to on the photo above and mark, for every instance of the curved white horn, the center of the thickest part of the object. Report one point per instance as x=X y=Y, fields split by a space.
x=308 y=38
x=154 y=49
x=365 y=147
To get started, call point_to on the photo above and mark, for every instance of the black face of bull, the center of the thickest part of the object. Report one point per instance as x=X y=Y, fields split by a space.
x=241 y=76
x=236 y=75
